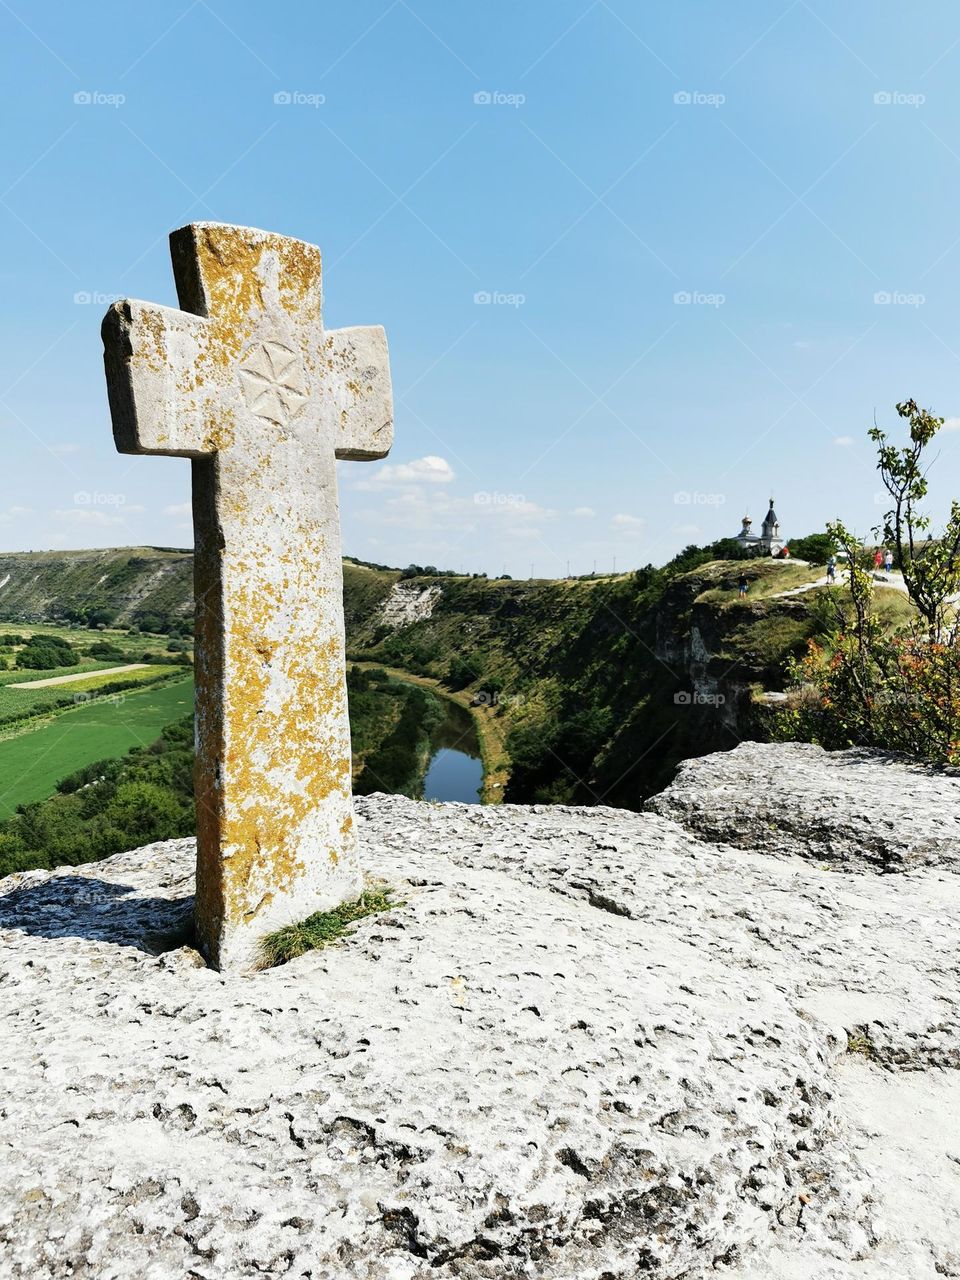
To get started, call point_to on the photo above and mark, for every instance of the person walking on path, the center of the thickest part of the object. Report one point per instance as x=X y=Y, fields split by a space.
x=878 y=560
x=888 y=561
x=832 y=569
x=742 y=586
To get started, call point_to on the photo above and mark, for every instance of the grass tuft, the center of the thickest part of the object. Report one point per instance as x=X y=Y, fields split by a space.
x=858 y=1041
x=324 y=927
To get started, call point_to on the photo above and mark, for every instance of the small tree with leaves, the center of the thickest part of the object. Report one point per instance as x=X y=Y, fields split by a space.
x=865 y=683
x=931 y=566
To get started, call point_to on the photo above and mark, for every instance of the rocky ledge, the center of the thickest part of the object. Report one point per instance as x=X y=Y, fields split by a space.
x=591 y=1045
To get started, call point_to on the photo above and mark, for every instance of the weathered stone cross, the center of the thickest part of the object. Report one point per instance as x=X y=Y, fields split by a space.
x=246 y=382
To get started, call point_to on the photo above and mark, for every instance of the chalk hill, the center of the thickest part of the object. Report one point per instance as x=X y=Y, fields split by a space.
x=591 y=1043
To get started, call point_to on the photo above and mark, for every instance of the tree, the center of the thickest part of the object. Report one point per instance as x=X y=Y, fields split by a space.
x=45 y=653
x=815 y=547
x=930 y=566
x=460 y=673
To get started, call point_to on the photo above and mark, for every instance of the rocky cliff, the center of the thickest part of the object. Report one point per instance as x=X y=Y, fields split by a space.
x=716 y=1039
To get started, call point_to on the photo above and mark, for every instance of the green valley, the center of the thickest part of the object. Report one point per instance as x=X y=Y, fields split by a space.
x=586 y=691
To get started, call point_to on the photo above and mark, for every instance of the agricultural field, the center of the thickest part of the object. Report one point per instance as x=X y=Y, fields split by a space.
x=34 y=761
x=30 y=691
x=133 y=647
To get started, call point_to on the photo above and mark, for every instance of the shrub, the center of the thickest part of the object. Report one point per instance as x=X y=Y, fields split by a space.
x=45 y=653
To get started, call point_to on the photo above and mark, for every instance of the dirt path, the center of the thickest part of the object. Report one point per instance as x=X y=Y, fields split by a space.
x=79 y=675
x=882 y=579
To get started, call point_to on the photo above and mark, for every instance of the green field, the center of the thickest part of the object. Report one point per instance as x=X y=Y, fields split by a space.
x=32 y=763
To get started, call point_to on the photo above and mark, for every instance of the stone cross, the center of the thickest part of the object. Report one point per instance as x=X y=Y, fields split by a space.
x=246 y=382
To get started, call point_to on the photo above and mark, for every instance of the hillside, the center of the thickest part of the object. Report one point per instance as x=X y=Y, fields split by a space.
x=148 y=587
x=587 y=690
x=599 y=687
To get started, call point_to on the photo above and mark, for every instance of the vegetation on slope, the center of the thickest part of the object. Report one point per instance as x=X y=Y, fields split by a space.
x=147 y=587
x=584 y=675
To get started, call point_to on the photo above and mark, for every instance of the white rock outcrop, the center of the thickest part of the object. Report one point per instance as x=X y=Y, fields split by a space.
x=409 y=602
x=590 y=1046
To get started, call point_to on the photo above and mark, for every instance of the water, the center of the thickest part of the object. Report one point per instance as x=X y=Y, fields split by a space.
x=455 y=771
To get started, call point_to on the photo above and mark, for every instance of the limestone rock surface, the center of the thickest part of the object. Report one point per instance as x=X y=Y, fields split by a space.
x=857 y=809
x=589 y=1046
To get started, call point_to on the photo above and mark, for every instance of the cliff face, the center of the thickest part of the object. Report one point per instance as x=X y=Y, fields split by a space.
x=590 y=1043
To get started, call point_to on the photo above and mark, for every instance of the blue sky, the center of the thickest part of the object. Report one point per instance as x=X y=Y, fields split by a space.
x=640 y=266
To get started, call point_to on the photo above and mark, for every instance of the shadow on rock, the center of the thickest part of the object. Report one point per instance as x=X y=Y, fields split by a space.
x=69 y=906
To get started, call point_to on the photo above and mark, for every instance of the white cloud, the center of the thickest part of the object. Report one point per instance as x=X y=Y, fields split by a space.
x=429 y=469
x=14 y=513
x=951 y=424
x=623 y=521
x=844 y=441
x=80 y=515
x=584 y=513
x=179 y=509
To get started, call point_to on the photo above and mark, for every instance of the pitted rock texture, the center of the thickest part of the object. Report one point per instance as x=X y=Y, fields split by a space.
x=858 y=809
x=589 y=1046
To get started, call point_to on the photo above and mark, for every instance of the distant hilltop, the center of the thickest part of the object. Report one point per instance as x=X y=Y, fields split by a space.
x=147 y=587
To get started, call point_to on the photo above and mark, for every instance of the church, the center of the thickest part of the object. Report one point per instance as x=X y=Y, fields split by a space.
x=768 y=541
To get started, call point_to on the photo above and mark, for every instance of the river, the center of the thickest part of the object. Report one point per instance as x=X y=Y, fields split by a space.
x=455 y=771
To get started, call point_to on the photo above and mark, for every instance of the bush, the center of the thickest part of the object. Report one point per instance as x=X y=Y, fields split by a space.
x=903 y=696
x=45 y=653
x=460 y=673
x=815 y=547
x=104 y=649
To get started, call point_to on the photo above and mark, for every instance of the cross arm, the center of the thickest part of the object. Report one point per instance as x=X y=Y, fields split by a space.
x=159 y=380
x=361 y=391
